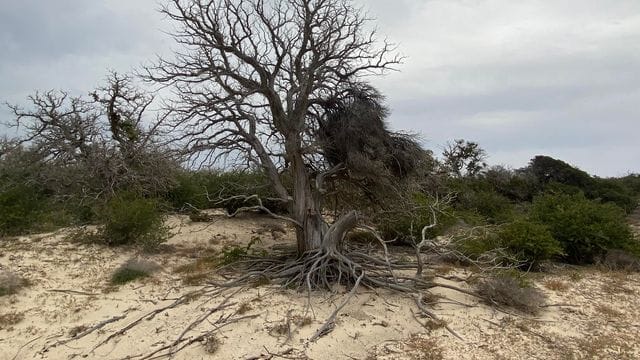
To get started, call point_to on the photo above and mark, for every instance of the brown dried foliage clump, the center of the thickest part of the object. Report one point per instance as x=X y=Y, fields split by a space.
x=508 y=291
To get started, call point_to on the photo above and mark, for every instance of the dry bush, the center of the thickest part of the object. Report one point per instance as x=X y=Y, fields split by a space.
x=608 y=311
x=10 y=319
x=10 y=283
x=506 y=290
x=133 y=269
x=620 y=260
x=616 y=283
x=556 y=285
x=200 y=216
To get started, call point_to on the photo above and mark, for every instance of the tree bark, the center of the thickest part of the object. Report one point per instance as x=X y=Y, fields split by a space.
x=307 y=210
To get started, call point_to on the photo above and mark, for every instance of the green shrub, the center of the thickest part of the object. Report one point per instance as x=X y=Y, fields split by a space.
x=556 y=175
x=478 y=242
x=613 y=190
x=516 y=185
x=528 y=242
x=21 y=207
x=492 y=206
x=585 y=228
x=129 y=219
x=631 y=182
x=404 y=222
x=547 y=169
x=477 y=195
x=206 y=189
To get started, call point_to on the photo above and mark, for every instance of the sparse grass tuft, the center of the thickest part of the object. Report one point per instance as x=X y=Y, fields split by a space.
x=244 y=308
x=211 y=344
x=616 y=283
x=603 y=347
x=133 y=270
x=576 y=276
x=504 y=289
x=280 y=329
x=10 y=283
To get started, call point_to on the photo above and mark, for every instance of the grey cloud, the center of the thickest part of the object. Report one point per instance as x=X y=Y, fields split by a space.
x=521 y=77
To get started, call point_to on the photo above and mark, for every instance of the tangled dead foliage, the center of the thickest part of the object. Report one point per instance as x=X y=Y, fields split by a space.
x=354 y=134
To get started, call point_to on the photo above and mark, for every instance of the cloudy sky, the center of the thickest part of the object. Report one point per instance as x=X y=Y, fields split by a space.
x=526 y=77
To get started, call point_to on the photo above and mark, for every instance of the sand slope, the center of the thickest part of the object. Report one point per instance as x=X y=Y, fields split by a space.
x=593 y=313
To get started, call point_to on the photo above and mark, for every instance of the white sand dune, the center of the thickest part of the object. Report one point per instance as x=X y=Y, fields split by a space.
x=593 y=313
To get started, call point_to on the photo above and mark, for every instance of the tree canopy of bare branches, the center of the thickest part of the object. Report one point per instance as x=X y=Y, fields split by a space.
x=98 y=145
x=252 y=79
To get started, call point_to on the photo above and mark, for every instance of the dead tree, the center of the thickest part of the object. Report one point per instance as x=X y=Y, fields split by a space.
x=96 y=146
x=251 y=79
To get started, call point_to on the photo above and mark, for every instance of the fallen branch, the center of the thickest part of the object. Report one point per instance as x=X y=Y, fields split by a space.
x=72 y=292
x=84 y=333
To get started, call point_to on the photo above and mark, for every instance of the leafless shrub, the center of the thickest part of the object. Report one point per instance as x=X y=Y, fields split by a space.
x=93 y=147
x=506 y=290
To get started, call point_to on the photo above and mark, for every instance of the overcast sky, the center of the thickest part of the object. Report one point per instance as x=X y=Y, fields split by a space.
x=560 y=78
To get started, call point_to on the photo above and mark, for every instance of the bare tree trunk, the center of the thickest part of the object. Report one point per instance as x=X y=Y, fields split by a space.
x=307 y=210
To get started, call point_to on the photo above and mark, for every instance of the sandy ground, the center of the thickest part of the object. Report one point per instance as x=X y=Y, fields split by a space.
x=591 y=313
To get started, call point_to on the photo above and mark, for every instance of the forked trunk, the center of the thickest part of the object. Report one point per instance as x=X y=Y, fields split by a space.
x=314 y=232
x=307 y=211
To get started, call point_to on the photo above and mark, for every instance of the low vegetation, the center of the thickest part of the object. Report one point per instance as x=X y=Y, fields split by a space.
x=133 y=270
x=128 y=219
x=10 y=283
x=512 y=291
x=10 y=319
x=586 y=229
